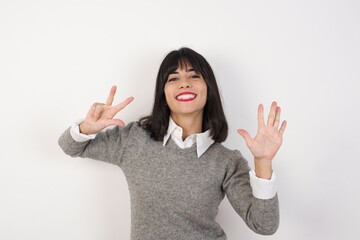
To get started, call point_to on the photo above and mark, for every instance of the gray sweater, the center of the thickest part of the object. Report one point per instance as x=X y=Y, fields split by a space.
x=174 y=194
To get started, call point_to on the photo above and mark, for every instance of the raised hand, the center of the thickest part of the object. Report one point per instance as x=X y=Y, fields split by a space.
x=267 y=140
x=102 y=115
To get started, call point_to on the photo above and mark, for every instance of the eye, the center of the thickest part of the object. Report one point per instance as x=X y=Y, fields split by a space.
x=195 y=76
x=172 y=79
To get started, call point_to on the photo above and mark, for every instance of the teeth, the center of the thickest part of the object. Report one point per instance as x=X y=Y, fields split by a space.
x=186 y=96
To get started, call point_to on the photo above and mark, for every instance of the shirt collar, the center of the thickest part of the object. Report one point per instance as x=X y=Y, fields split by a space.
x=171 y=128
x=203 y=140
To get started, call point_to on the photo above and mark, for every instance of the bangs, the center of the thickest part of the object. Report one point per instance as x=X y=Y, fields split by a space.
x=181 y=63
x=182 y=59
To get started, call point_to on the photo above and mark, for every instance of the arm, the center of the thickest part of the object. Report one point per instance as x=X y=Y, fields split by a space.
x=260 y=215
x=106 y=146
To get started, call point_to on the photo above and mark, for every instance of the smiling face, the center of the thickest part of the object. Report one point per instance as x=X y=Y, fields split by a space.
x=185 y=92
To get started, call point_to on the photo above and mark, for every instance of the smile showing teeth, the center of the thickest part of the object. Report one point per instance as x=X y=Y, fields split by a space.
x=186 y=97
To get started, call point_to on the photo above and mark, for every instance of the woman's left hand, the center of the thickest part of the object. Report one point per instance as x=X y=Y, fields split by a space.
x=268 y=138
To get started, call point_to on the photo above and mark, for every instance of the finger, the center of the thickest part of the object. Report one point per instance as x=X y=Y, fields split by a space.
x=282 y=128
x=261 y=121
x=245 y=135
x=277 y=117
x=110 y=98
x=272 y=114
x=91 y=111
x=122 y=105
x=98 y=110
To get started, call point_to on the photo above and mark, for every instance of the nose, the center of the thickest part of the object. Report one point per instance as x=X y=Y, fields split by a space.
x=185 y=82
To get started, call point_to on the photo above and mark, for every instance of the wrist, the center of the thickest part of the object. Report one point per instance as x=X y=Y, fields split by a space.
x=83 y=129
x=263 y=168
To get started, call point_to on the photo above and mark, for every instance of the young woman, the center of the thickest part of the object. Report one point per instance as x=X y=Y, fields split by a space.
x=177 y=170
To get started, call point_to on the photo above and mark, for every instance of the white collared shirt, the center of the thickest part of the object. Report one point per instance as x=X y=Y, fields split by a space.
x=203 y=140
x=261 y=188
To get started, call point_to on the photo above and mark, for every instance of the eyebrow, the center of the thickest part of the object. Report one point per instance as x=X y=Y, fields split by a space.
x=189 y=70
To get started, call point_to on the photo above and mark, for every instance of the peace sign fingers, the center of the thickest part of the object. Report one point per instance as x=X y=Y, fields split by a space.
x=115 y=109
x=102 y=115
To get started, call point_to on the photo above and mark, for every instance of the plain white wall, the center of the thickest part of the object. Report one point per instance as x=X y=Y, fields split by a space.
x=58 y=57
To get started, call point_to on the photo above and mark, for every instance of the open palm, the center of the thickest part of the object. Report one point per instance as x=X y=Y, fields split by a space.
x=269 y=137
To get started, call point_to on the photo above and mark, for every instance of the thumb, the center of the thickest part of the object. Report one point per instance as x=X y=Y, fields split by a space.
x=245 y=135
x=117 y=122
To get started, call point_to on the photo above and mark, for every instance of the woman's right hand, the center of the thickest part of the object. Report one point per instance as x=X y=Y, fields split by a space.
x=102 y=115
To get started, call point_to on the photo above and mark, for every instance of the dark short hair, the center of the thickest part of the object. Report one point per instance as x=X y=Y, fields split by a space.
x=213 y=115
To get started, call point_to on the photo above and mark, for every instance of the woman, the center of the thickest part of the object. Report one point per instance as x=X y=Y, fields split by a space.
x=176 y=167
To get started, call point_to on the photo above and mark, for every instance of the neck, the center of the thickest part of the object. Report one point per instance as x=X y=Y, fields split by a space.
x=189 y=123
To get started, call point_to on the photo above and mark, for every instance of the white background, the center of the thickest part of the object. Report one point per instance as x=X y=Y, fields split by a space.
x=58 y=57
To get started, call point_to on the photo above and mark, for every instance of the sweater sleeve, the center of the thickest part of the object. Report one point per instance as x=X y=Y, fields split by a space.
x=107 y=146
x=260 y=215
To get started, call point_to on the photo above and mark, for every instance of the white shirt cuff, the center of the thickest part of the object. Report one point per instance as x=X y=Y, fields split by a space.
x=263 y=188
x=77 y=136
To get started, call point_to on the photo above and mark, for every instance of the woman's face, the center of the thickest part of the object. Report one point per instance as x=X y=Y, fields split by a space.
x=185 y=92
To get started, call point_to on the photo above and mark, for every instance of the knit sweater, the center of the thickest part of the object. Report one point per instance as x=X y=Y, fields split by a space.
x=174 y=194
